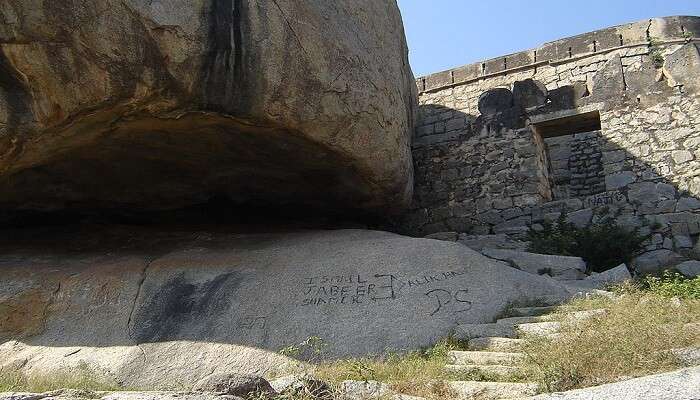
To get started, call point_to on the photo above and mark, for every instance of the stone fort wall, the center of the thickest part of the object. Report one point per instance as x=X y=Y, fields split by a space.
x=605 y=119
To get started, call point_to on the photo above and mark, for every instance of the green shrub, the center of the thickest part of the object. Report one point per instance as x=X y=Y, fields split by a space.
x=603 y=244
x=673 y=284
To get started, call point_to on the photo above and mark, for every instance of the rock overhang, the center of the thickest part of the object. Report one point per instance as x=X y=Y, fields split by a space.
x=160 y=106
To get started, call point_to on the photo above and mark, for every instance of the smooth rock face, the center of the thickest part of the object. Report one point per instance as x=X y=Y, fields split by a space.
x=154 y=307
x=678 y=385
x=162 y=104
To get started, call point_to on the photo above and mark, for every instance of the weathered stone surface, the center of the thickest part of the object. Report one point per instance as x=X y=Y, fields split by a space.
x=501 y=241
x=691 y=268
x=580 y=218
x=446 y=236
x=492 y=390
x=562 y=267
x=616 y=181
x=302 y=385
x=242 y=385
x=695 y=253
x=683 y=66
x=495 y=100
x=615 y=275
x=529 y=93
x=679 y=385
x=655 y=261
x=160 y=104
x=368 y=390
x=177 y=297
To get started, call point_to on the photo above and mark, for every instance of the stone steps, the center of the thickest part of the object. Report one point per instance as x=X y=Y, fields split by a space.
x=467 y=390
x=469 y=331
x=524 y=320
x=539 y=328
x=532 y=311
x=503 y=372
x=494 y=351
x=495 y=344
x=483 y=358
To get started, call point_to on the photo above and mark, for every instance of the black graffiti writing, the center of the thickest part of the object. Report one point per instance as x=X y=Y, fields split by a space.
x=603 y=199
x=388 y=290
x=458 y=300
x=346 y=289
x=428 y=279
x=334 y=279
x=253 y=323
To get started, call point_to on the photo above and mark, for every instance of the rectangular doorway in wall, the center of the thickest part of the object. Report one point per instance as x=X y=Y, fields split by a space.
x=574 y=158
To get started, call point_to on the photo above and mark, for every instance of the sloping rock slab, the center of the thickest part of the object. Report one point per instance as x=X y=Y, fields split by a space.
x=561 y=267
x=150 y=315
x=679 y=385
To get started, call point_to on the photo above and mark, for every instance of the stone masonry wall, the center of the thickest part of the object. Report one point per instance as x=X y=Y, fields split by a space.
x=482 y=165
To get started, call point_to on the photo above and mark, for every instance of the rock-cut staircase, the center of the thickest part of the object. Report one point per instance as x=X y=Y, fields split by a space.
x=494 y=354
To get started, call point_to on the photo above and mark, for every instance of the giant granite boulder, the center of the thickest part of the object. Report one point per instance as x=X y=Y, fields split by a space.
x=161 y=104
x=150 y=308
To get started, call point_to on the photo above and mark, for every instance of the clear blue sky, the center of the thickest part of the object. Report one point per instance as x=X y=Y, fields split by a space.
x=448 y=33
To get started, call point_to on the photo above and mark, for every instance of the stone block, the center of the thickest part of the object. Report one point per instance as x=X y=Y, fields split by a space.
x=655 y=261
x=688 y=204
x=520 y=223
x=455 y=124
x=690 y=269
x=682 y=242
x=615 y=275
x=580 y=218
x=445 y=236
x=614 y=156
x=499 y=241
x=539 y=263
x=503 y=203
x=682 y=156
x=242 y=385
x=494 y=101
x=619 y=180
x=526 y=200
x=529 y=93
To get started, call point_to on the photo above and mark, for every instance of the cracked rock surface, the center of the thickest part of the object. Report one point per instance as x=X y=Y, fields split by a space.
x=151 y=104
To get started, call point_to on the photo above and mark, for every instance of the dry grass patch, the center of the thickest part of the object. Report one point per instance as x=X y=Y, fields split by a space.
x=81 y=378
x=420 y=373
x=631 y=339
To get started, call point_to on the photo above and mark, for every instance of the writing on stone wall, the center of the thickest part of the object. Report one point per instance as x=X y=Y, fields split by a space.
x=253 y=322
x=458 y=300
x=348 y=289
x=604 y=199
x=358 y=289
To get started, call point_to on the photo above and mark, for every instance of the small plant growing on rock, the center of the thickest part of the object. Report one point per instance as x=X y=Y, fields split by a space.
x=603 y=244
x=310 y=349
x=673 y=284
x=655 y=53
